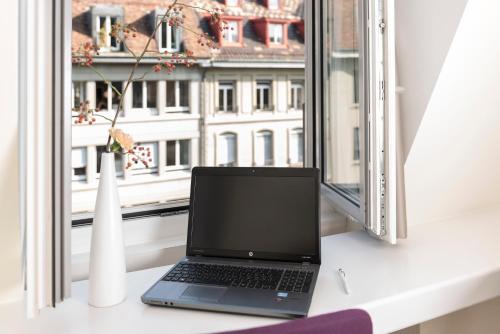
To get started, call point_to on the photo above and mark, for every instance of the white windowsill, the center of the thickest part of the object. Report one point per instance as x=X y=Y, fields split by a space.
x=441 y=268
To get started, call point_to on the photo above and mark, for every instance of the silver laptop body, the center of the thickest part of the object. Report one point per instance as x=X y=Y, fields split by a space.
x=253 y=243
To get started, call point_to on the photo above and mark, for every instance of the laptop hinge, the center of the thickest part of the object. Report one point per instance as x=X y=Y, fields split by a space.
x=306 y=263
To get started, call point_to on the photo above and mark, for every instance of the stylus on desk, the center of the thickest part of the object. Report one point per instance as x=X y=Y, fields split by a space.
x=343 y=278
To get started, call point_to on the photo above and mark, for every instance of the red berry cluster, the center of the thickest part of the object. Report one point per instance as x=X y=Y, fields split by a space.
x=206 y=40
x=121 y=31
x=84 y=55
x=85 y=114
x=139 y=154
x=175 y=17
x=167 y=61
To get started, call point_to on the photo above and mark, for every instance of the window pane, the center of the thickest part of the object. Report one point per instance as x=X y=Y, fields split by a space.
x=78 y=93
x=174 y=43
x=164 y=32
x=171 y=94
x=115 y=98
x=231 y=33
x=101 y=96
x=276 y=33
x=79 y=164
x=113 y=40
x=184 y=93
x=137 y=94
x=101 y=32
x=342 y=114
x=184 y=151
x=151 y=89
x=356 y=144
x=227 y=148
x=297 y=148
x=229 y=99
x=264 y=149
x=170 y=153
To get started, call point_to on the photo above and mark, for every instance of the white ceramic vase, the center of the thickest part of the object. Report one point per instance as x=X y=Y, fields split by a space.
x=107 y=252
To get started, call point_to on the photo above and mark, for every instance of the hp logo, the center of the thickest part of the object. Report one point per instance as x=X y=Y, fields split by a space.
x=250 y=254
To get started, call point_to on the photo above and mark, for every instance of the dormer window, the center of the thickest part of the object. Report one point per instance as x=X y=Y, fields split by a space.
x=104 y=26
x=231 y=35
x=232 y=3
x=276 y=33
x=169 y=37
x=103 y=18
x=273 y=4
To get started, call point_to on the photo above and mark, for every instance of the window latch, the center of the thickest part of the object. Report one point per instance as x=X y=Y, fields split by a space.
x=381 y=25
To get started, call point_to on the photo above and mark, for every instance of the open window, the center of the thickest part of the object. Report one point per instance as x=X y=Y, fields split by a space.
x=355 y=132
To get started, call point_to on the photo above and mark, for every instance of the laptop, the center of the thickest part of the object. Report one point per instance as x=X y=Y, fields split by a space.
x=253 y=243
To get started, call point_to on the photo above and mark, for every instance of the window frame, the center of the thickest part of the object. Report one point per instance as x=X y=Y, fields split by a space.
x=260 y=86
x=224 y=86
x=236 y=31
x=295 y=132
x=295 y=85
x=274 y=28
x=178 y=108
x=315 y=137
x=177 y=151
x=159 y=37
x=221 y=137
x=260 y=150
x=145 y=109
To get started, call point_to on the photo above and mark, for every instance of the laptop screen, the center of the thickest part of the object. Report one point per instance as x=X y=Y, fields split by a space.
x=260 y=215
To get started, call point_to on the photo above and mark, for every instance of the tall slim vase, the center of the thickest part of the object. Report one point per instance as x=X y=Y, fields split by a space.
x=107 y=252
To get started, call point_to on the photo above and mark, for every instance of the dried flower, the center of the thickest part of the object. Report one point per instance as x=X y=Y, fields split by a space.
x=125 y=140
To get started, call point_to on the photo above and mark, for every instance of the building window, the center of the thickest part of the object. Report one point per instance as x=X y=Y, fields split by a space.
x=263 y=95
x=356 y=152
x=297 y=147
x=276 y=33
x=118 y=160
x=107 y=97
x=297 y=95
x=151 y=94
x=150 y=155
x=273 y=4
x=78 y=94
x=232 y=33
x=178 y=154
x=264 y=155
x=79 y=164
x=226 y=96
x=232 y=3
x=177 y=95
x=137 y=94
x=227 y=150
x=103 y=29
x=169 y=37
x=144 y=94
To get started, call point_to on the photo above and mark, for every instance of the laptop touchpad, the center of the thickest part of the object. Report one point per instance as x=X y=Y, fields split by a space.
x=203 y=293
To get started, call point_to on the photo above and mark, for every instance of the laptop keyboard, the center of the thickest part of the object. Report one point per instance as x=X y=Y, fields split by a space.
x=240 y=276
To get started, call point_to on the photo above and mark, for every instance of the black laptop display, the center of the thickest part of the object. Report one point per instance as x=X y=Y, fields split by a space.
x=252 y=213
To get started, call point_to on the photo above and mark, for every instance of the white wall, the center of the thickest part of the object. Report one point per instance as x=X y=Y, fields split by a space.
x=10 y=245
x=448 y=55
x=448 y=63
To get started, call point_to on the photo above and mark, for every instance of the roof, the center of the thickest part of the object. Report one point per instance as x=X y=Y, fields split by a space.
x=141 y=15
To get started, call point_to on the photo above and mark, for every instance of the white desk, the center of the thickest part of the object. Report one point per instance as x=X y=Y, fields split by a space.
x=434 y=272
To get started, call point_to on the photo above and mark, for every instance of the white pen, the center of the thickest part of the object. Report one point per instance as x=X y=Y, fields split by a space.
x=343 y=278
